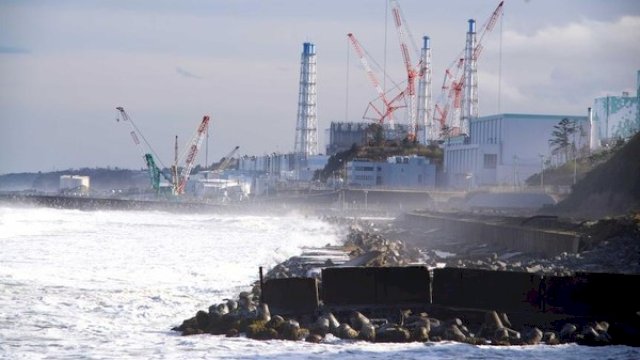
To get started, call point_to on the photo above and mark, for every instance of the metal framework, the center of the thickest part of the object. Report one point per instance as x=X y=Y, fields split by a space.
x=412 y=73
x=306 y=142
x=196 y=142
x=384 y=115
x=426 y=128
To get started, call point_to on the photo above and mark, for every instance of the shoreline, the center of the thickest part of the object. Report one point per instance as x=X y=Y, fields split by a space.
x=368 y=248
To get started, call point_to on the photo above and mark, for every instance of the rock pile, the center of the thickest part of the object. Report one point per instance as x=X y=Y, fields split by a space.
x=607 y=245
x=247 y=316
x=384 y=252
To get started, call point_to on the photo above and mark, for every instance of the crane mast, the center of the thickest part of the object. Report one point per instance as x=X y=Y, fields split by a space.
x=412 y=73
x=196 y=142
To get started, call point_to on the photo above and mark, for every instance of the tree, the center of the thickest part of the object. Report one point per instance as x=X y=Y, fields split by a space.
x=561 y=142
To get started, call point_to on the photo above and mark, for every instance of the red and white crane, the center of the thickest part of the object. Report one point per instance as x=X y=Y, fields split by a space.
x=192 y=151
x=460 y=90
x=451 y=93
x=390 y=106
x=412 y=71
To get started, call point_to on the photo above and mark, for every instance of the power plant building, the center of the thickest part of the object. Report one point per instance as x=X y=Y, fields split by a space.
x=74 y=184
x=408 y=172
x=342 y=135
x=615 y=117
x=504 y=149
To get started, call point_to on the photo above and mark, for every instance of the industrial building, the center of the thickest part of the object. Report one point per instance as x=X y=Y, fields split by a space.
x=615 y=117
x=342 y=135
x=408 y=172
x=74 y=184
x=504 y=149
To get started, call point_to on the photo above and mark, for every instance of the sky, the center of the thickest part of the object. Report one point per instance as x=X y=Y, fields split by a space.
x=66 y=65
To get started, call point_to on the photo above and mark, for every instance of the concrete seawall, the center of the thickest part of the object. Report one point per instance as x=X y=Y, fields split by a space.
x=584 y=295
x=516 y=238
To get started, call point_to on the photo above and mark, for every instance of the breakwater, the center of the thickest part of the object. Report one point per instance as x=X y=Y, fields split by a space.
x=414 y=303
x=96 y=203
x=596 y=295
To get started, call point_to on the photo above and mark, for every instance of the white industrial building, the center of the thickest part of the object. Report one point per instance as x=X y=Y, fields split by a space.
x=74 y=184
x=504 y=149
x=409 y=172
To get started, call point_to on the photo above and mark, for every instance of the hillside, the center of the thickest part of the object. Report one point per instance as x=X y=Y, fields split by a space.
x=610 y=189
x=102 y=180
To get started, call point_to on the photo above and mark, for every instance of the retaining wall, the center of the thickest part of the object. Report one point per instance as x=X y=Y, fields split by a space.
x=517 y=238
x=607 y=296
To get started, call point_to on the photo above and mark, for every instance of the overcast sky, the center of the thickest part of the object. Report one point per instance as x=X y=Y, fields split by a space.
x=66 y=65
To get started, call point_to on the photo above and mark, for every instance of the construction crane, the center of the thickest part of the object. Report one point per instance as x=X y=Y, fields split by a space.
x=152 y=168
x=226 y=160
x=451 y=93
x=390 y=106
x=458 y=88
x=412 y=71
x=192 y=151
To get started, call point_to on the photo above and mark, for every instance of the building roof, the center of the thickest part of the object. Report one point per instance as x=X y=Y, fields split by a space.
x=516 y=116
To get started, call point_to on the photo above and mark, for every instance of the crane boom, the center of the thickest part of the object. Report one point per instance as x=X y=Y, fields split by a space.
x=487 y=27
x=412 y=73
x=389 y=105
x=152 y=168
x=227 y=160
x=196 y=142
x=453 y=87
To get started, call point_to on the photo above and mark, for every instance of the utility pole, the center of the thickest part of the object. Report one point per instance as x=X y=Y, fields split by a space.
x=542 y=172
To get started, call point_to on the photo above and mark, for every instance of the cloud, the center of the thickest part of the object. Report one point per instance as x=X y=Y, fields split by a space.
x=187 y=74
x=13 y=50
x=562 y=68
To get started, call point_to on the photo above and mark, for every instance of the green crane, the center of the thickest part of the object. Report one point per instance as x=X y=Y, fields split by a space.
x=152 y=168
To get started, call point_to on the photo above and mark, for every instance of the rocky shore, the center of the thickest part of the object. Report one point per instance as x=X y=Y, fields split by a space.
x=613 y=245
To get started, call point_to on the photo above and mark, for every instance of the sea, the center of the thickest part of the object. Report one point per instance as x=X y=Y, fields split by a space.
x=111 y=284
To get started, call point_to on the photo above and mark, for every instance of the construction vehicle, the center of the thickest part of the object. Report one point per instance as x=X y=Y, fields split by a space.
x=153 y=170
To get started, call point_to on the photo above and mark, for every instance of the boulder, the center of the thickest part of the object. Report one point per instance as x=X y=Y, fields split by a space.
x=393 y=334
x=357 y=320
x=420 y=334
x=452 y=332
x=321 y=326
x=533 y=336
x=346 y=332
x=568 y=333
x=367 y=332
x=232 y=333
x=263 y=312
x=314 y=338
x=202 y=319
x=550 y=338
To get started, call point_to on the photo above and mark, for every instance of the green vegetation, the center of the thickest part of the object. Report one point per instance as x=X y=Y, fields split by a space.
x=612 y=187
x=563 y=175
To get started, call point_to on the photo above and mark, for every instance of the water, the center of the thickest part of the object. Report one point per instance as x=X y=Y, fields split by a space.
x=111 y=284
